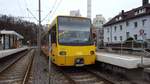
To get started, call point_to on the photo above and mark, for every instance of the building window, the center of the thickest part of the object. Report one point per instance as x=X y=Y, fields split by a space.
x=121 y=27
x=135 y=36
x=115 y=28
x=136 y=13
x=115 y=38
x=143 y=21
x=0 y=39
x=145 y=35
x=108 y=39
x=135 y=24
x=107 y=29
x=120 y=18
x=141 y=11
x=127 y=34
x=127 y=23
x=120 y=38
x=117 y=19
x=96 y=21
x=100 y=21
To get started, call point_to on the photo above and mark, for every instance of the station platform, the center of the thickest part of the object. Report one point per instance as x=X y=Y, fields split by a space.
x=147 y=70
x=125 y=61
x=4 y=53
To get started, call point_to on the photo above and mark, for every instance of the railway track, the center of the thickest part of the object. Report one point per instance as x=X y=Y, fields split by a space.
x=18 y=71
x=28 y=77
x=10 y=60
x=118 y=77
x=83 y=76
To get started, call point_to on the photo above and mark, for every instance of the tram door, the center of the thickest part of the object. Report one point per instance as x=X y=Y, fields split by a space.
x=1 y=47
x=49 y=45
x=53 y=43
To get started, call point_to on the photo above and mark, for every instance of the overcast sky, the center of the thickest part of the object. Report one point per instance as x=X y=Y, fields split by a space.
x=108 y=8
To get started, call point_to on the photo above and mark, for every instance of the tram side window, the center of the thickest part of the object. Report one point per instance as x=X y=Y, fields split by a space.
x=0 y=38
x=53 y=34
x=1 y=47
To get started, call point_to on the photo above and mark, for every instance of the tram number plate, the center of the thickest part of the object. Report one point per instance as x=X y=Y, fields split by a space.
x=79 y=62
x=79 y=65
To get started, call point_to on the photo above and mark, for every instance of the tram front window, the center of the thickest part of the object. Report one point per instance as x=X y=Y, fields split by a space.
x=74 y=31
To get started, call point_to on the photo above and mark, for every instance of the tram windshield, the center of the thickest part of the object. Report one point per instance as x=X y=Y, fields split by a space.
x=74 y=31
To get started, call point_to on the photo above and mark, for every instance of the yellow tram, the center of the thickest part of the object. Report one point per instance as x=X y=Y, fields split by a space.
x=70 y=41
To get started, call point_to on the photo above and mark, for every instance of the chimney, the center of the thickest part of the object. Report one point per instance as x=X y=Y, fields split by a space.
x=145 y=2
x=122 y=12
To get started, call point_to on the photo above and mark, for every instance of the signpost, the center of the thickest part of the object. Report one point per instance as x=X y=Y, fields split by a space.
x=141 y=31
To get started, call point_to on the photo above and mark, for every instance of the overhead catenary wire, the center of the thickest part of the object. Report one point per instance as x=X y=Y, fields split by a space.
x=26 y=5
x=46 y=16
x=22 y=10
x=56 y=8
x=32 y=14
x=50 y=10
x=50 y=13
x=29 y=12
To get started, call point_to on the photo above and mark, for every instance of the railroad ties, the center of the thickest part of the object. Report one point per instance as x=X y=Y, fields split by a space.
x=82 y=76
x=17 y=70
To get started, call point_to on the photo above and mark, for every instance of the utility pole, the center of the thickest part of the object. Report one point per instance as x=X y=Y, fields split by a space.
x=39 y=30
x=39 y=40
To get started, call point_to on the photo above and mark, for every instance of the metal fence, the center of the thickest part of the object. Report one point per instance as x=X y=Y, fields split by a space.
x=129 y=45
x=138 y=46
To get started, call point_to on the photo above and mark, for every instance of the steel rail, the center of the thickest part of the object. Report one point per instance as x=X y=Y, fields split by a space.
x=101 y=78
x=73 y=81
x=28 y=70
x=14 y=61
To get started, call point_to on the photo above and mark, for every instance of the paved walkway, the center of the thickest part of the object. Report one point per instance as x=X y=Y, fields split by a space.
x=122 y=60
x=40 y=73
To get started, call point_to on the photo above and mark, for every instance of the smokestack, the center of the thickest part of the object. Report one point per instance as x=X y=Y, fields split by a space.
x=145 y=2
x=89 y=10
x=122 y=12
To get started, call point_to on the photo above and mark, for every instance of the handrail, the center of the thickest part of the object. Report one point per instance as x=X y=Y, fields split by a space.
x=141 y=47
x=148 y=42
x=145 y=55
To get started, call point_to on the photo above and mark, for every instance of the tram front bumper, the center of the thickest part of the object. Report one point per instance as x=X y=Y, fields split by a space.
x=75 y=60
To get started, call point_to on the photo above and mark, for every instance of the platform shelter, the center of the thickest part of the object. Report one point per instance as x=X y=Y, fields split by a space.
x=10 y=39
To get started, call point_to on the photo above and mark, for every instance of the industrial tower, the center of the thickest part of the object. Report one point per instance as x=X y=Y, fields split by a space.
x=89 y=8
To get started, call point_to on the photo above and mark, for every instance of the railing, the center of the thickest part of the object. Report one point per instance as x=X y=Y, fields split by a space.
x=146 y=54
x=148 y=44
x=134 y=46
x=131 y=45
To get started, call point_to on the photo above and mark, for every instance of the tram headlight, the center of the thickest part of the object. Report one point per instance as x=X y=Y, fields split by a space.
x=62 y=53
x=92 y=52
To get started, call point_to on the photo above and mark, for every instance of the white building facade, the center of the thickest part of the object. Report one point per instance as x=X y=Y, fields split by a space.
x=89 y=8
x=75 y=13
x=121 y=31
x=134 y=23
x=98 y=22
